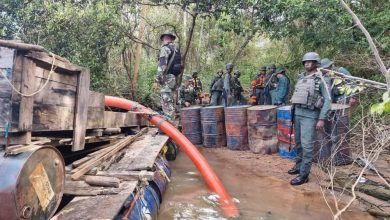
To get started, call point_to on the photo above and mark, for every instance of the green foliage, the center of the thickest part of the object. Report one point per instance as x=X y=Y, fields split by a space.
x=383 y=107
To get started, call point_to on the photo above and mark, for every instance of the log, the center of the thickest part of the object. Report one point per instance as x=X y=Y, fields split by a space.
x=20 y=46
x=102 y=181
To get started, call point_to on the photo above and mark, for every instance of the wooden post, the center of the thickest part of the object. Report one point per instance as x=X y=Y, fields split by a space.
x=27 y=87
x=81 y=110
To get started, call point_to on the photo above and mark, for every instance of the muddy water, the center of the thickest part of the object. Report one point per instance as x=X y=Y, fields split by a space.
x=257 y=196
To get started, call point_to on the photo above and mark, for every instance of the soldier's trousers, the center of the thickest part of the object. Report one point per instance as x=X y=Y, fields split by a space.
x=239 y=100
x=216 y=98
x=272 y=95
x=260 y=96
x=305 y=135
x=167 y=103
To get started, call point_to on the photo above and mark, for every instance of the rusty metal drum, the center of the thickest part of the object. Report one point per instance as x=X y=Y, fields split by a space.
x=191 y=124
x=339 y=132
x=31 y=184
x=236 y=127
x=262 y=129
x=213 y=126
x=284 y=115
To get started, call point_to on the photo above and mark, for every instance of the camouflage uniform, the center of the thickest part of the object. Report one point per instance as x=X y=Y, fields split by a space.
x=216 y=88
x=187 y=93
x=167 y=83
x=236 y=90
x=198 y=87
x=227 y=84
x=271 y=85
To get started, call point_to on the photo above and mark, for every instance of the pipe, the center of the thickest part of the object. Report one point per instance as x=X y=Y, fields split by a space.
x=209 y=176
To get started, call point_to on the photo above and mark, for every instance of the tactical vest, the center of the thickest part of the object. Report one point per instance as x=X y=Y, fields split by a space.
x=236 y=87
x=307 y=93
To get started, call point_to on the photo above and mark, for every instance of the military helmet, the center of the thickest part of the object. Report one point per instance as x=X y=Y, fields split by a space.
x=167 y=33
x=194 y=72
x=273 y=66
x=263 y=68
x=280 y=70
x=237 y=73
x=311 y=56
x=229 y=66
x=344 y=71
x=187 y=78
x=326 y=63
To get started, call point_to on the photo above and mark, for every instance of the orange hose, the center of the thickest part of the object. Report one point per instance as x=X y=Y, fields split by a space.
x=212 y=180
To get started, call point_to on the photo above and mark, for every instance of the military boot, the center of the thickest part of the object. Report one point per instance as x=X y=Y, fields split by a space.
x=293 y=171
x=299 y=180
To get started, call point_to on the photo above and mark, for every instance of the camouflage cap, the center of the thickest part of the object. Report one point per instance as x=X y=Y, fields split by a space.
x=326 y=63
x=280 y=70
x=263 y=68
x=237 y=72
x=344 y=71
x=167 y=33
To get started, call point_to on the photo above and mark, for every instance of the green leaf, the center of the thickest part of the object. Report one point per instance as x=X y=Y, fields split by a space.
x=387 y=106
x=386 y=96
x=377 y=108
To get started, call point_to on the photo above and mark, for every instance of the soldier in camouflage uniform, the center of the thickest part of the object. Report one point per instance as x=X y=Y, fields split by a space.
x=198 y=87
x=272 y=82
x=260 y=86
x=216 y=88
x=166 y=81
x=227 y=93
x=187 y=92
x=311 y=101
x=236 y=90
x=339 y=93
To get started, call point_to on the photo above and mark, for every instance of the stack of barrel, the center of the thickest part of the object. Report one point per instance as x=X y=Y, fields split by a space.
x=236 y=127
x=286 y=132
x=213 y=126
x=262 y=133
x=191 y=124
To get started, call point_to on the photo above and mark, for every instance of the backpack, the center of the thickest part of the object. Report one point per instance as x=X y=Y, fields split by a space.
x=174 y=66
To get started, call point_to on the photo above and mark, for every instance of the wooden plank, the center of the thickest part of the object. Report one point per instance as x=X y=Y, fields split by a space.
x=127 y=175
x=142 y=153
x=120 y=119
x=64 y=77
x=95 y=117
x=96 y=99
x=27 y=102
x=59 y=61
x=94 y=162
x=106 y=181
x=81 y=110
x=51 y=118
x=97 y=207
x=17 y=138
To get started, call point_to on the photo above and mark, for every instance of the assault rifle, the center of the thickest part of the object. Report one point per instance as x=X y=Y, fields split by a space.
x=292 y=125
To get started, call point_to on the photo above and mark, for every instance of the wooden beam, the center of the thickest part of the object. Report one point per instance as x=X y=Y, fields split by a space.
x=17 y=138
x=26 y=103
x=59 y=61
x=20 y=46
x=81 y=110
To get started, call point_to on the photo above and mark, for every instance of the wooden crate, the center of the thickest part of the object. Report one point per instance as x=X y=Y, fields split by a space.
x=62 y=100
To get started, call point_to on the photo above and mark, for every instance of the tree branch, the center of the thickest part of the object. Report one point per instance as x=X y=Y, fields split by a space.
x=373 y=47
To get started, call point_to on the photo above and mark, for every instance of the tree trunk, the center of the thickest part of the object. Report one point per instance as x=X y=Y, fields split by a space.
x=126 y=57
x=138 y=57
x=238 y=54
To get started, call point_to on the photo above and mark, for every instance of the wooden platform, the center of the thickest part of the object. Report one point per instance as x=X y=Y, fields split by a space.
x=139 y=157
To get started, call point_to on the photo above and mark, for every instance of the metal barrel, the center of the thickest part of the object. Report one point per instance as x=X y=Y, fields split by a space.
x=284 y=115
x=236 y=127
x=333 y=140
x=31 y=184
x=262 y=129
x=339 y=125
x=191 y=124
x=213 y=126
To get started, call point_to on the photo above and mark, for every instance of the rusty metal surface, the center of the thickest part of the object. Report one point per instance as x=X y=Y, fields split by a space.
x=191 y=124
x=31 y=184
x=213 y=126
x=262 y=115
x=262 y=129
x=236 y=127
